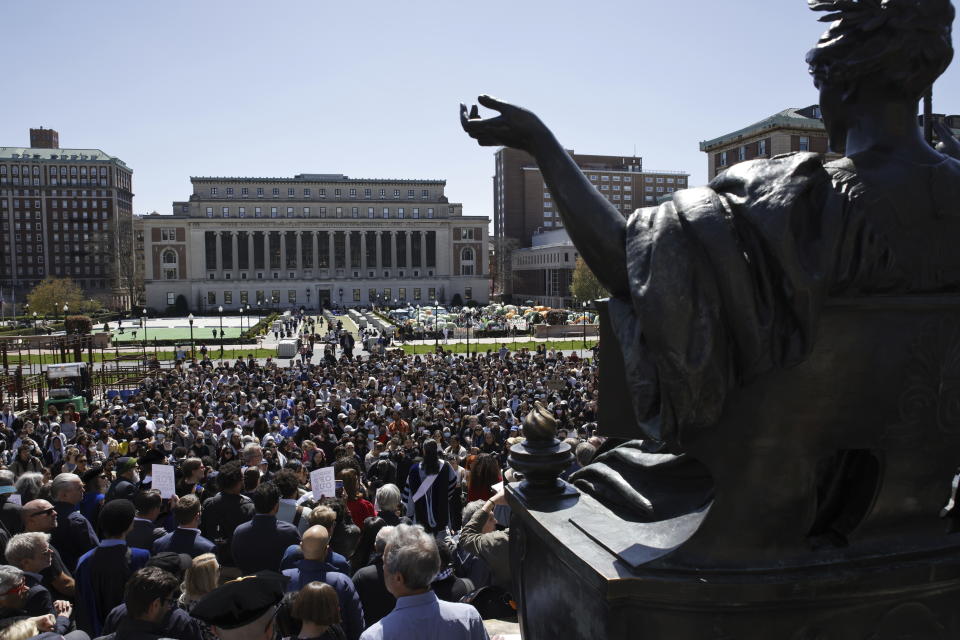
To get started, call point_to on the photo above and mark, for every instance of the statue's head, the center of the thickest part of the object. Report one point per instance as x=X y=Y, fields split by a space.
x=877 y=51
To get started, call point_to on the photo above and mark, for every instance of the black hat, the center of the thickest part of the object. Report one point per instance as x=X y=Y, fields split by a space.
x=175 y=563
x=240 y=602
x=152 y=456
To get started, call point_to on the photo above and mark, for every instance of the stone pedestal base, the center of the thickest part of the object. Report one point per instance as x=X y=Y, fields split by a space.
x=583 y=574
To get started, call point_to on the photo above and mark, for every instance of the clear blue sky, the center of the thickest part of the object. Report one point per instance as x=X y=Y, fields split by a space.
x=370 y=89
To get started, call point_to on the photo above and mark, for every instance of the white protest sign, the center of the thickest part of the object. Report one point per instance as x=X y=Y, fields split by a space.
x=162 y=476
x=15 y=499
x=322 y=483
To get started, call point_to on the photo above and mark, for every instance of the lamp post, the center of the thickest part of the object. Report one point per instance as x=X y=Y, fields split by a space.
x=469 y=324
x=584 y=326
x=26 y=310
x=144 y=331
x=190 y=322
x=220 y=311
x=436 y=312
x=34 y=323
x=341 y=298
x=241 y=319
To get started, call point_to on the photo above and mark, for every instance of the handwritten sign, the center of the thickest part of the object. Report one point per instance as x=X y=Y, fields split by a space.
x=163 y=481
x=322 y=483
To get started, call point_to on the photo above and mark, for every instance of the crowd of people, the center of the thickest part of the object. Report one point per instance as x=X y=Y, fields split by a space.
x=413 y=543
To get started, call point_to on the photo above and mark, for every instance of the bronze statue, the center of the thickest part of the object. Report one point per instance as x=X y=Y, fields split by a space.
x=726 y=282
x=790 y=337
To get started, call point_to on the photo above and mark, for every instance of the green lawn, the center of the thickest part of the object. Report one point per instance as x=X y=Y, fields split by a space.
x=178 y=333
x=213 y=352
x=461 y=347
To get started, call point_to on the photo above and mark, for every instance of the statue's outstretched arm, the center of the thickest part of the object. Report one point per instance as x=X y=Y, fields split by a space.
x=596 y=228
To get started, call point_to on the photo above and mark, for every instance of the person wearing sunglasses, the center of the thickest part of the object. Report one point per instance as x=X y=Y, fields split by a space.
x=41 y=516
x=31 y=553
x=14 y=591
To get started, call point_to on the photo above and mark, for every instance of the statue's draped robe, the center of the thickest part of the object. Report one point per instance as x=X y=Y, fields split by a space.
x=727 y=281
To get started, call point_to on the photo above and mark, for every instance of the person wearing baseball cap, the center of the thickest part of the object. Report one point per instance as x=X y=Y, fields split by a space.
x=127 y=482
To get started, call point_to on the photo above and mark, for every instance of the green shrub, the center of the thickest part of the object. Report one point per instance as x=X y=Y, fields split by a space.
x=78 y=324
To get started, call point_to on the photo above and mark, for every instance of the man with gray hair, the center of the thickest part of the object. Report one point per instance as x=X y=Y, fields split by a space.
x=13 y=596
x=74 y=535
x=410 y=563
x=31 y=553
x=368 y=581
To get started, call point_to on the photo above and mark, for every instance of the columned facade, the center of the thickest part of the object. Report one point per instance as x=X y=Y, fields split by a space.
x=359 y=242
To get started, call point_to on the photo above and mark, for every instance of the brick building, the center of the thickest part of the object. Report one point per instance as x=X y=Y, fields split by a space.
x=314 y=239
x=523 y=205
x=62 y=213
x=783 y=132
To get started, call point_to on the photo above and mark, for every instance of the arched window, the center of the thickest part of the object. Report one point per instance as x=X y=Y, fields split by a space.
x=466 y=261
x=169 y=265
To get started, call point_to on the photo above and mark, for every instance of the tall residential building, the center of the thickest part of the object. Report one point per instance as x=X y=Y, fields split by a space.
x=522 y=204
x=314 y=239
x=783 y=132
x=63 y=213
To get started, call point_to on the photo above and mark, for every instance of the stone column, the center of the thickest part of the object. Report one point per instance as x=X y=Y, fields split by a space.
x=423 y=252
x=346 y=250
x=393 y=250
x=266 y=251
x=379 y=253
x=363 y=252
x=409 y=238
x=219 y=239
x=332 y=261
x=316 y=252
x=283 y=249
x=250 y=264
x=235 y=265
x=299 y=241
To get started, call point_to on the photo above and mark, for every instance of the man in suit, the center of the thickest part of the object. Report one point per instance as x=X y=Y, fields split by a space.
x=145 y=530
x=74 y=534
x=368 y=581
x=260 y=543
x=314 y=567
x=186 y=537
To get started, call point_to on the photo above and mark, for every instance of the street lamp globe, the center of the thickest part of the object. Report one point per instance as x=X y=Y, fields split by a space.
x=190 y=318
x=220 y=309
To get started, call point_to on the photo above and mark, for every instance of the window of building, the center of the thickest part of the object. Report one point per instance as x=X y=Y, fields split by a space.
x=388 y=294
x=290 y=192
x=593 y=177
x=244 y=191
x=466 y=261
x=322 y=193
x=229 y=191
x=323 y=212
x=416 y=293
x=356 y=295
x=307 y=193
x=213 y=191
x=291 y=295
x=171 y=298
x=762 y=148
x=396 y=193
x=275 y=191
x=211 y=297
x=289 y=212
x=468 y=293
x=260 y=192
x=741 y=153
x=370 y=212
x=353 y=193
x=339 y=212
x=354 y=212
x=306 y=212
x=228 y=297
x=257 y=212
x=429 y=212
x=244 y=297
x=367 y=193
x=386 y=212
x=804 y=143
x=415 y=212
x=400 y=212
x=168 y=234
x=242 y=212
x=273 y=212
x=209 y=212
x=225 y=212
x=723 y=158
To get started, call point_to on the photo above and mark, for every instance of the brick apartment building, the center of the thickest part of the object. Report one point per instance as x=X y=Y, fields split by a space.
x=523 y=205
x=62 y=213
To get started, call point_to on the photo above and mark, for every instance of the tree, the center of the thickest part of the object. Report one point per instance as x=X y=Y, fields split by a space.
x=49 y=296
x=124 y=269
x=584 y=286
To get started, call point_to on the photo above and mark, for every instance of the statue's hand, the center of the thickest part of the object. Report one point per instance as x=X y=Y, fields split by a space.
x=948 y=144
x=515 y=126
